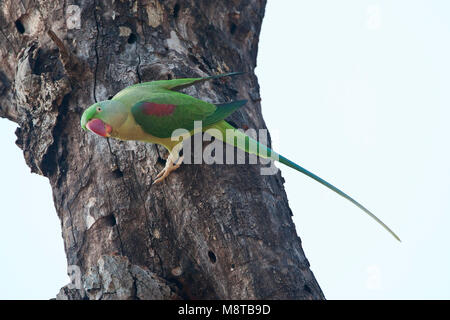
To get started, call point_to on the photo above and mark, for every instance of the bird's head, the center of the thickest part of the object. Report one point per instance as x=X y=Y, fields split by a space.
x=104 y=117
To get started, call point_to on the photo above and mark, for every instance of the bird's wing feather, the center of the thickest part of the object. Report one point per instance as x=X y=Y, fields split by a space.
x=223 y=110
x=174 y=84
x=164 y=112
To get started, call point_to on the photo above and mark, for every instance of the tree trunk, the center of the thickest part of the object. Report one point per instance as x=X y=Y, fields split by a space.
x=208 y=231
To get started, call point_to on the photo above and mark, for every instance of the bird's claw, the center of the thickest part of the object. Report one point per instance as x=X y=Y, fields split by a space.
x=170 y=166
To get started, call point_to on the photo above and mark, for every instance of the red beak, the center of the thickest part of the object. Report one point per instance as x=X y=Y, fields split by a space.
x=99 y=127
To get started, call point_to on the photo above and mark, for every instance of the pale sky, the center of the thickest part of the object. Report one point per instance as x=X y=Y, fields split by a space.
x=356 y=91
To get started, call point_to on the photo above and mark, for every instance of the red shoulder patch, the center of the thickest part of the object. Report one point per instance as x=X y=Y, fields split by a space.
x=157 y=109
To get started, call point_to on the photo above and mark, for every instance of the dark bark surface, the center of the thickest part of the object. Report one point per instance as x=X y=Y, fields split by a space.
x=208 y=231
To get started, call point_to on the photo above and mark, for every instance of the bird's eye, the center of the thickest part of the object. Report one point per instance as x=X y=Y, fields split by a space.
x=99 y=109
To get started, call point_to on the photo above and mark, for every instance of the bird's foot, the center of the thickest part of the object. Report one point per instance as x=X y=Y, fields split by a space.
x=171 y=165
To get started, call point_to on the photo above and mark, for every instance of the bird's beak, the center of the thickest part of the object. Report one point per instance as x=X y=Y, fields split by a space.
x=99 y=127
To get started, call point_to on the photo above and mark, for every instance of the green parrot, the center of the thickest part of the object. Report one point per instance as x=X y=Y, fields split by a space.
x=152 y=111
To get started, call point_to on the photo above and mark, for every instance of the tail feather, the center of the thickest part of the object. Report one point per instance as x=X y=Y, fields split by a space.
x=265 y=152
x=338 y=191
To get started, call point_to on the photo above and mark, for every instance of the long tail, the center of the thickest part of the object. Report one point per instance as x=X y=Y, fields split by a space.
x=265 y=152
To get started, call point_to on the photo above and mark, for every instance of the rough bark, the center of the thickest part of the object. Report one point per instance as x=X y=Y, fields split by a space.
x=209 y=231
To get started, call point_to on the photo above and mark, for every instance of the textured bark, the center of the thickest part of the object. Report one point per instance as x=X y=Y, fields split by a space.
x=209 y=231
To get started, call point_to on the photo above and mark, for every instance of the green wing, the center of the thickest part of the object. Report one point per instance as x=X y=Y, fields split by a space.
x=174 y=84
x=163 y=113
x=223 y=110
x=178 y=84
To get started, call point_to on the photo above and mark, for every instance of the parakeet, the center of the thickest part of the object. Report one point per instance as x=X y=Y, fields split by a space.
x=151 y=111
